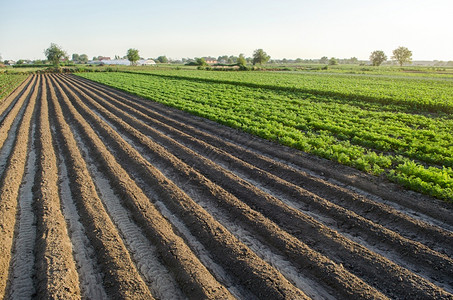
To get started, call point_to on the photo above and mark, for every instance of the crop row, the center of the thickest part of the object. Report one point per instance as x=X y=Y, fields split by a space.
x=9 y=82
x=412 y=149
x=404 y=93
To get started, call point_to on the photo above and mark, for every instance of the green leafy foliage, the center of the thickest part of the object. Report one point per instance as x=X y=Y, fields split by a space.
x=260 y=57
x=378 y=57
x=241 y=61
x=162 y=59
x=373 y=127
x=402 y=55
x=8 y=82
x=55 y=54
x=133 y=56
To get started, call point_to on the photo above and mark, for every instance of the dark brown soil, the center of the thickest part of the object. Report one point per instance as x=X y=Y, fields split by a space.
x=230 y=215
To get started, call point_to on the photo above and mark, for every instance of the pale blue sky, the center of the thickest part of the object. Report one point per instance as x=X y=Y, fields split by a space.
x=177 y=28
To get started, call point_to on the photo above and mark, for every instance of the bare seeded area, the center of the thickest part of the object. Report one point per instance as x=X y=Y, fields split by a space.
x=104 y=195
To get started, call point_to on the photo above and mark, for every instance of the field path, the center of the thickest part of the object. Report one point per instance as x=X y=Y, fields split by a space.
x=104 y=195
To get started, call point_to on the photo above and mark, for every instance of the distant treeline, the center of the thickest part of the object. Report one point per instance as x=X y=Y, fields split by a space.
x=31 y=66
x=40 y=65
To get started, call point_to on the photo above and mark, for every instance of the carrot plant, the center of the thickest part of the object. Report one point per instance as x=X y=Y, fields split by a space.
x=8 y=82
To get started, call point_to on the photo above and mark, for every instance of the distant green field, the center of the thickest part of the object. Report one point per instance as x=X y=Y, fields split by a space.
x=397 y=126
x=8 y=82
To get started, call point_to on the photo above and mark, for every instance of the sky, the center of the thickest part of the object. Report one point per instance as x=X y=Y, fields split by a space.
x=177 y=28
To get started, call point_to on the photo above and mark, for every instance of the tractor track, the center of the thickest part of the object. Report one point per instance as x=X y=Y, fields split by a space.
x=113 y=196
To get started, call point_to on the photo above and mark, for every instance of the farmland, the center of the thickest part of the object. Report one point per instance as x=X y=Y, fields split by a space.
x=106 y=195
x=8 y=82
x=397 y=127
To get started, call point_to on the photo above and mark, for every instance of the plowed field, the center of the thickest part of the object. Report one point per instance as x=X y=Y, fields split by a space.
x=104 y=195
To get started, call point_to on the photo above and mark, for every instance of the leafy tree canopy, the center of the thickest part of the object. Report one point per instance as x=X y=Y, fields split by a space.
x=133 y=56
x=83 y=58
x=201 y=62
x=260 y=57
x=162 y=59
x=333 y=61
x=241 y=60
x=377 y=57
x=402 y=55
x=55 y=54
x=222 y=58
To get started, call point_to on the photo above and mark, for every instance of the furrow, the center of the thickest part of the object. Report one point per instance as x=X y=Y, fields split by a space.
x=419 y=256
x=143 y=252
x=90 y=274
x=121 y=279
x=281 y=239
x=432 y=260
x=56 y=270
x=416 y=253
x=254 y=273
x=22 y=283
x=229 y=139
x=325 y=241
x=11 y=135
x=9 y=102
x=285 y=267
x=193 y=277
x=220 y=137
x=243 y=161
x=12 y=114
x=10 y=183
x=322 y=173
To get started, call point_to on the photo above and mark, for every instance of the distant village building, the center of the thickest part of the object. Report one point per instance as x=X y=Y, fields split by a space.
x=210 y=60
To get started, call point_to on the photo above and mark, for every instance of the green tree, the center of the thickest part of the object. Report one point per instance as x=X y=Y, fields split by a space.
x=162 y=59
x=222 y=59
x=377 y=57
x=324 y=60
x=133 y=56
x=75 y=57
x=241 y=60
x=402 y=55
x=260 y=57
x=333 y=61
x=83 y=58
x=232 y=59
x=201 y=62
x=55 y=54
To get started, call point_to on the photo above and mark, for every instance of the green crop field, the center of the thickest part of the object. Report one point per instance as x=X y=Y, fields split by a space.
x=395 y=126
x=8 y=82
